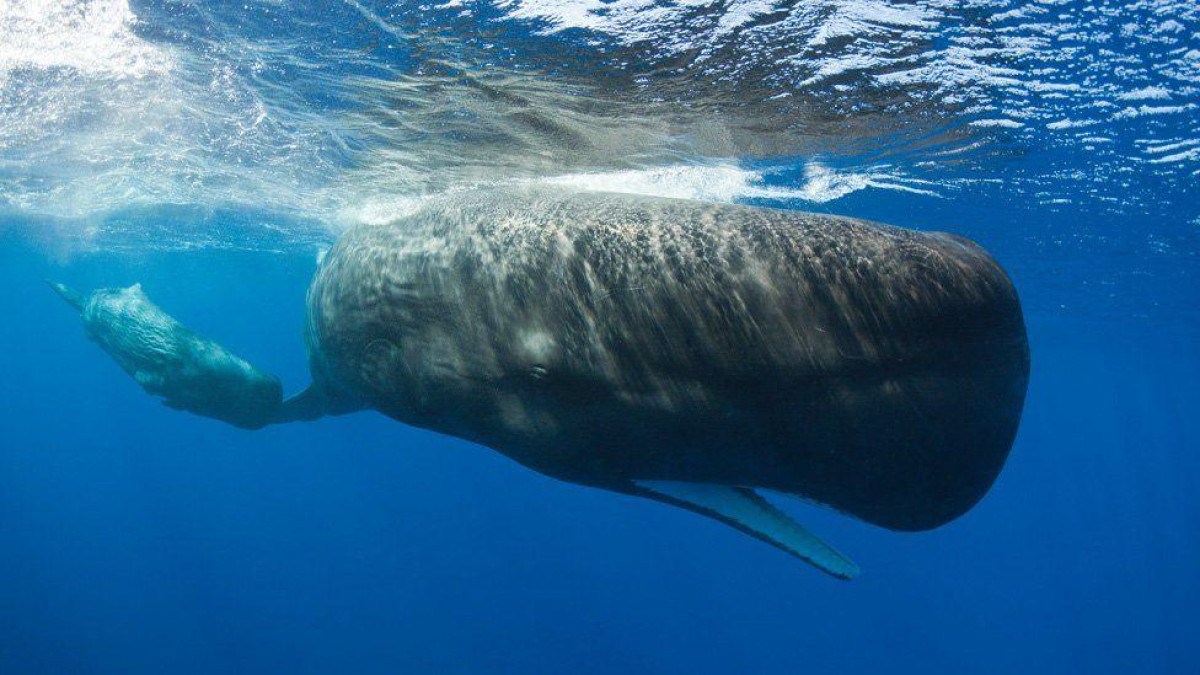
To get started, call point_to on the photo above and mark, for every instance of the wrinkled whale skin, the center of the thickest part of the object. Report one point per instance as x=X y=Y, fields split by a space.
x=608 y=339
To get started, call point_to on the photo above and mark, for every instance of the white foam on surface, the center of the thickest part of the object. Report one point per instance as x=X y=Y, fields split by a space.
x=378 y=211
x=1070 y=124
x=718 y=183
x=1147 y=110
x=90 y=36
x=1159 y=148
x=1000 y=123
x=729 y=183
x=1145 y=94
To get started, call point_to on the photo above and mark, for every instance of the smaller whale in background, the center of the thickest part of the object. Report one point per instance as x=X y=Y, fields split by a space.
x=687 y=352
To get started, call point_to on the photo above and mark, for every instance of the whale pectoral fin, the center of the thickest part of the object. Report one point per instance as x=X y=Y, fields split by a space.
x=744 y=509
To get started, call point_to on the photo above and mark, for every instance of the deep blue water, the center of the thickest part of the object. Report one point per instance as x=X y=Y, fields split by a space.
x=138 y=539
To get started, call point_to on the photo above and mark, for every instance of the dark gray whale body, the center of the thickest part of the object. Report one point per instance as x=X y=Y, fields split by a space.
x=683 y=351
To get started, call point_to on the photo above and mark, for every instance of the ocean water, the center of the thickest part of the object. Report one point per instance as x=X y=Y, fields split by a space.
x=212 y=151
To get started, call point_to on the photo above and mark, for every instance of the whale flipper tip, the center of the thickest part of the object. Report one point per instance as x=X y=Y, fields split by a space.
x=70 y=295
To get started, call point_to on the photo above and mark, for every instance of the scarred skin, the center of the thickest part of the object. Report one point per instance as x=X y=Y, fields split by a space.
x=603 y=338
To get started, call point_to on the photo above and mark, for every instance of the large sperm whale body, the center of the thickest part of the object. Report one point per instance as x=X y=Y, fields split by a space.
x=687 y=352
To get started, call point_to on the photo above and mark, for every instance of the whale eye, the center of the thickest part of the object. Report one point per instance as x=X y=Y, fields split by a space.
x=538 y=372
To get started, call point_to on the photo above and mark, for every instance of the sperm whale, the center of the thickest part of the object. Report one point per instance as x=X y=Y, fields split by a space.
x=686 y=352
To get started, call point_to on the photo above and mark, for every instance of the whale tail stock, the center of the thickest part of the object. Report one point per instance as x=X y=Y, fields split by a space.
x=309 y=404
x=189 y=371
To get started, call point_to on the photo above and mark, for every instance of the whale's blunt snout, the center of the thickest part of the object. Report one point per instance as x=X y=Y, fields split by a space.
x=974 y=401
x=919 y=437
